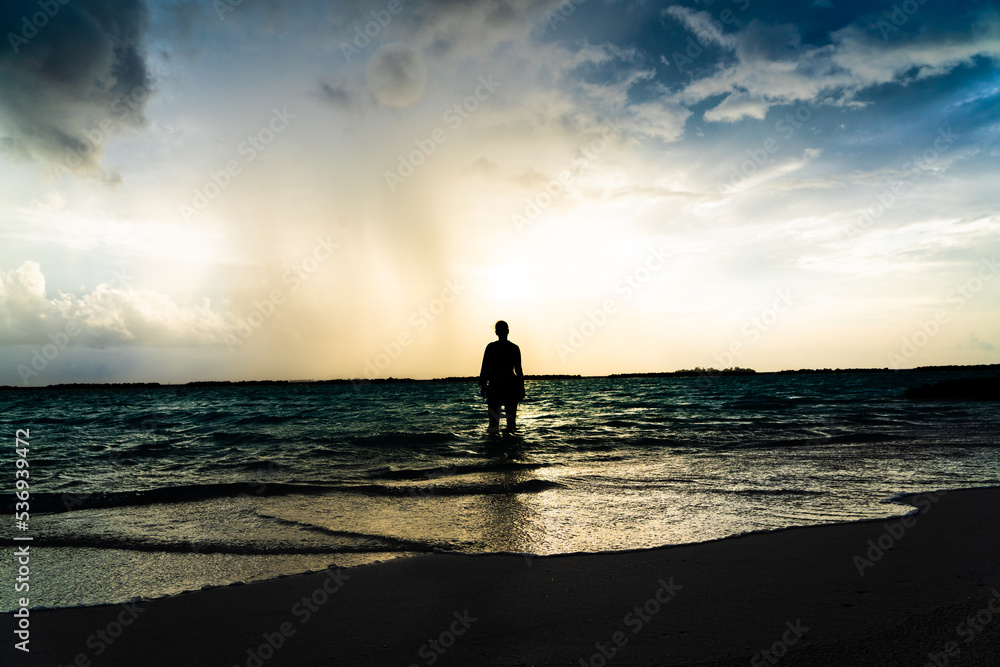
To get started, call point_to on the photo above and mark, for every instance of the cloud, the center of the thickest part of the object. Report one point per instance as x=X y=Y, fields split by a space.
x=114 y=314
x=702 y=25
x=973 y=343
x=764 y=65
x=335 y=93
x=451 y=26
x=870 y=62
x=71 y=80
x=737 y=106
x=344 y=96
x=657 y=117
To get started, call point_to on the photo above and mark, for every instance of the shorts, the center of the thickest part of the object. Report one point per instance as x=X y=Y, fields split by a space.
x=506 y=390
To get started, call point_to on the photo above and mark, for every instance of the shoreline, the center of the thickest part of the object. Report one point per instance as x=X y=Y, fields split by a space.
x=897 y=499
x=812 y=591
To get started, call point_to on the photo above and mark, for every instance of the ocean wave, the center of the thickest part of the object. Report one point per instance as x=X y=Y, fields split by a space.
x=67 y=502
x=215 y=415
x=54 y=420
x=416 y=474
x=229 y=438
x=764 y=492
x=404 y=438
x=147 y=420
x=365 y=544
x=396 y=544
x=528 y=486
x=268 y=419
x=148 y=448
x=853 y=438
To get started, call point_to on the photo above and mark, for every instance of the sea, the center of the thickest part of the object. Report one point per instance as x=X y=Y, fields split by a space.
x=144 y=492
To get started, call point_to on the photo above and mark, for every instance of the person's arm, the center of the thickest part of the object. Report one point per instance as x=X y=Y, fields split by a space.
x=482 y=371
x=517 y=370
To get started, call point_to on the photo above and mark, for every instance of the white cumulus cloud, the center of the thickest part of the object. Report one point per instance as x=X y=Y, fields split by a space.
x=112 y=314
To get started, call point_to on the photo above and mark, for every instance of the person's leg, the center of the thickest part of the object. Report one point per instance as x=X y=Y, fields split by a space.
x=493 y=407
x=511 y=410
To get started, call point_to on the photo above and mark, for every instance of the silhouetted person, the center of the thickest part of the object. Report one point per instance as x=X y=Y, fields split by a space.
x=501 y=380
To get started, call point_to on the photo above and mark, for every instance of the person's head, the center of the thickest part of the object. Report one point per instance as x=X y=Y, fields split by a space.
x=501 y=328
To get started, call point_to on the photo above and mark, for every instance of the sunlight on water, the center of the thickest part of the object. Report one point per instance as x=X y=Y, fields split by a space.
x=173 y=488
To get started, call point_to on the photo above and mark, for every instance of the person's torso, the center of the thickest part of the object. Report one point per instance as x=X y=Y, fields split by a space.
x=501 y=357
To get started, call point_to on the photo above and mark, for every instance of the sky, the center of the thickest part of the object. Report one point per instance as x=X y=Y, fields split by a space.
x=309 y=190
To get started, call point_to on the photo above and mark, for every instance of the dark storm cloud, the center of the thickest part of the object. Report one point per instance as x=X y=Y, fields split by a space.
x=71 y=75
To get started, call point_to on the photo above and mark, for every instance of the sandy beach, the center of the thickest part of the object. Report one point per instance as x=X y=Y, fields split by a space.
x=923 y=589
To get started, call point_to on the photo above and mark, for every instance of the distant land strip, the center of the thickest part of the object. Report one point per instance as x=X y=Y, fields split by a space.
x=695 y=372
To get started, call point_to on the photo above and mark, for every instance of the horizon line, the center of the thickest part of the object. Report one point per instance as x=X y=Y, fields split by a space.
x=695 y=372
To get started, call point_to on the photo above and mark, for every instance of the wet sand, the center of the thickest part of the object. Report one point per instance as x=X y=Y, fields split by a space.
x=919 y=590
